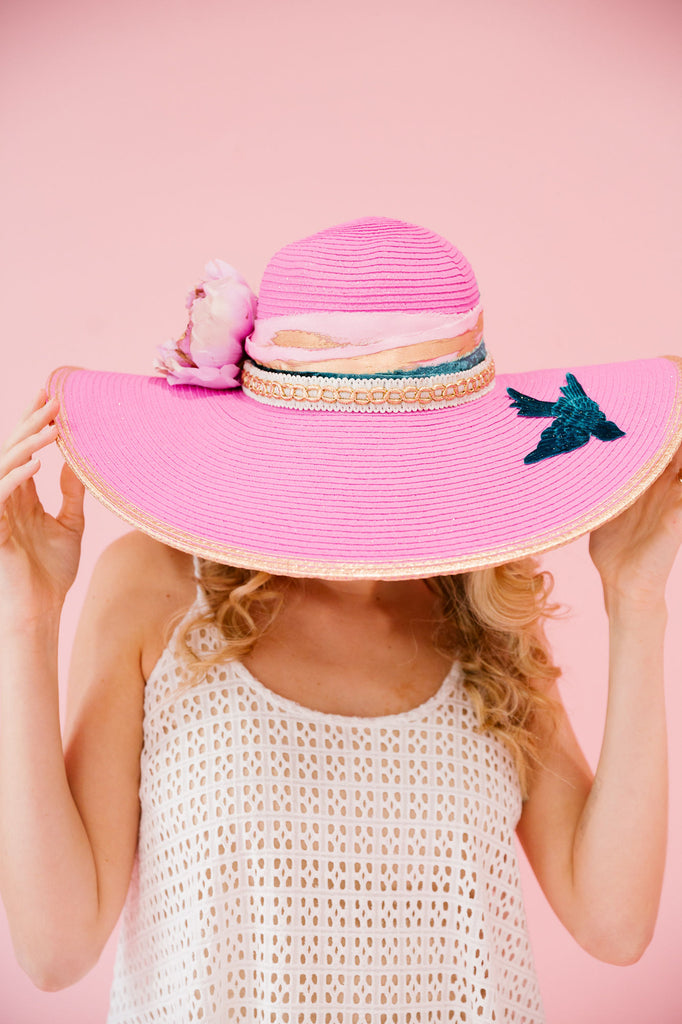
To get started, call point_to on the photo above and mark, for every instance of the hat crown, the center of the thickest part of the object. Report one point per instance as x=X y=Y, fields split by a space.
x=374 y=264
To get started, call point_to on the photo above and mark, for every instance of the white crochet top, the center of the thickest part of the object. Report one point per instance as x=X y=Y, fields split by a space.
x=299 y=867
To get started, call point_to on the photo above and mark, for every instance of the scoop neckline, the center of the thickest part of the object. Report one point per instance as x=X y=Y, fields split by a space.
x=288 y=704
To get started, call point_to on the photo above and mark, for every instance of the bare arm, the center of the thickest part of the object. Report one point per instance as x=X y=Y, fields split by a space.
x=598 y=847
x=68 y=835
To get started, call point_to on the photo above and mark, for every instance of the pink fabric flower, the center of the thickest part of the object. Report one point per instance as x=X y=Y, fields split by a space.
x=221 y=318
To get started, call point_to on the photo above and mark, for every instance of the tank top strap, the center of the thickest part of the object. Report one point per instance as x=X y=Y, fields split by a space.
x=201 y=600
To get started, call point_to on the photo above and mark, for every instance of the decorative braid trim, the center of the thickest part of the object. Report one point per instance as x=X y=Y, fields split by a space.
x=367 y=394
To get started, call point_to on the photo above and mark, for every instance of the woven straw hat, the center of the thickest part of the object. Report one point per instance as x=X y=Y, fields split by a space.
x=363 y=432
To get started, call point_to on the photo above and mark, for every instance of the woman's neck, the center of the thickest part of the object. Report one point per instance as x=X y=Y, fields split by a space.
x=365 y=594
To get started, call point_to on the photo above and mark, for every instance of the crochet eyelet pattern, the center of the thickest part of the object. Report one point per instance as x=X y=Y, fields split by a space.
x=299 y=867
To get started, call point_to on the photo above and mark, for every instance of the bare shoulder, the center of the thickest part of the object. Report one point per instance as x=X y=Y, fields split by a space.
x=146 y=584
x=137 y=562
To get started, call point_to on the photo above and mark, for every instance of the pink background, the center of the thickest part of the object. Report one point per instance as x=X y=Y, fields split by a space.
x=143 y=138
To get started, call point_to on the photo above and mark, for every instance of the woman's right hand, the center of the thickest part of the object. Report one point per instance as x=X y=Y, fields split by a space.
x=39 y=553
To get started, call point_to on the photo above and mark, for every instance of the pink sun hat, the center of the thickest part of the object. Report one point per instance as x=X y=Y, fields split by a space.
x=350 y=422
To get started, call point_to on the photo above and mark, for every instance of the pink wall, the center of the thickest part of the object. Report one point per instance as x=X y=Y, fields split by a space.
x=146 y=137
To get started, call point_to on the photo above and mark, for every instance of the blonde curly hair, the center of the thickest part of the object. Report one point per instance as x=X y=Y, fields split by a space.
x=491 y=622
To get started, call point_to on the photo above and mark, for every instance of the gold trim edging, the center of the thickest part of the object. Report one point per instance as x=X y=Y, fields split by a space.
x=415 y=392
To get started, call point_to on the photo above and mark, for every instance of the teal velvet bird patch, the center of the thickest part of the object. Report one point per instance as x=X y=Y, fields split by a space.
x=576 y=418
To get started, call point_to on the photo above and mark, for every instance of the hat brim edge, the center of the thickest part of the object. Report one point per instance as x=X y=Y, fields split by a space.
x=166 y=533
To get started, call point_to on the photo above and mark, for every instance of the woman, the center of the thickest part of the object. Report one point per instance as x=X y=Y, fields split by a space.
x=303 y=779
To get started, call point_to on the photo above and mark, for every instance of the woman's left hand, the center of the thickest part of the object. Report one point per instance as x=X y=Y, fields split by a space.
x=635 y=552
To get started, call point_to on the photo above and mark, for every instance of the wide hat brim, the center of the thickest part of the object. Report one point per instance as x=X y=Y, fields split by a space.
x=342 y=495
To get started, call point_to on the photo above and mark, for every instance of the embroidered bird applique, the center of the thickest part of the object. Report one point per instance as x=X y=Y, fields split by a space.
x=577 y=418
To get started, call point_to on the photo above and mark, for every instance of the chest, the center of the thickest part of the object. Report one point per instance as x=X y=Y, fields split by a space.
x=352 y=668
x=256 y=776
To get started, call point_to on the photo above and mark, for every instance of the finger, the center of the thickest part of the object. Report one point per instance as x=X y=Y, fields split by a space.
x=73 y=491
x=675 y=464
x=665 y=487
x=674 y=494
x=16 y=476
x=22 y=451
x=35 y=404
x=32 y=422
x=661 y=502
x=670 y=486
x=25 y=501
